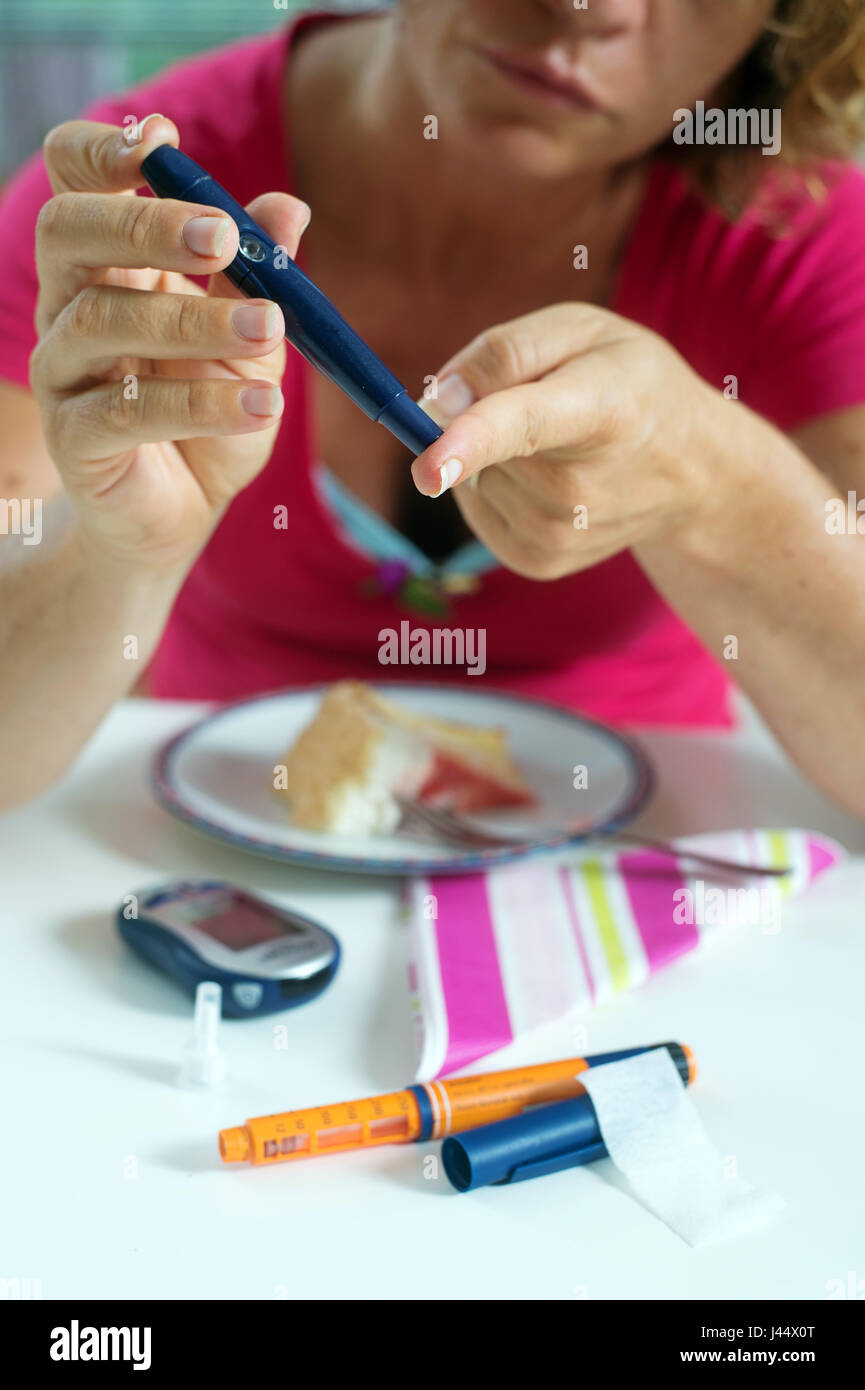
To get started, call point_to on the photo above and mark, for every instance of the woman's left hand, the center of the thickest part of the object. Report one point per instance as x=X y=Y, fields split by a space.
x=573 y=434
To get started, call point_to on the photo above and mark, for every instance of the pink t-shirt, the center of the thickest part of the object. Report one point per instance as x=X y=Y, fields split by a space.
x=266 y=606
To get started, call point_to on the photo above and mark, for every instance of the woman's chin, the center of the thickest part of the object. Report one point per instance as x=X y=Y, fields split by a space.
x=524 y=151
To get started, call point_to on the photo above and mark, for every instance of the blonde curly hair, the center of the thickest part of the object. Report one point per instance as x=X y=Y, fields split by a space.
x=810 y=63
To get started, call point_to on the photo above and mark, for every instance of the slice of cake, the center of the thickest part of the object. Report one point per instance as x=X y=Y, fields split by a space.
x=345 y=770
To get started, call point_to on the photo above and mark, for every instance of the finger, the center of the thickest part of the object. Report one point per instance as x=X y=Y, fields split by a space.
x=284 y=218
x=520 y=536
x=523 y=350
x=503 y=517
x=563 y=411
x=109 y=420
x=495 y=529
x=105 y=322
x=514 y=519
x=90 y=157
x=526 y=487
x=78 y=234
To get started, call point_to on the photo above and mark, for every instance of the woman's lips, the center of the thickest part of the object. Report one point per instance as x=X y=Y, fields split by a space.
x=540 y=78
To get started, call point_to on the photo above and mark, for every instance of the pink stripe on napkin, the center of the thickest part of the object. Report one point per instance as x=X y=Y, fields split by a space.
x=822 y=854
x=650 y=881
x=477 y=1012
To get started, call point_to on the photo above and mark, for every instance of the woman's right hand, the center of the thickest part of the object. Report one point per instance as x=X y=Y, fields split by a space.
x=159 y=400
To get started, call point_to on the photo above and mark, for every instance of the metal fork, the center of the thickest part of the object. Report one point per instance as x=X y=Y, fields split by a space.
x=459 y=832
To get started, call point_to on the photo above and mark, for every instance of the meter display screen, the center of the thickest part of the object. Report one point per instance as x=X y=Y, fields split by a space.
x=237 y=922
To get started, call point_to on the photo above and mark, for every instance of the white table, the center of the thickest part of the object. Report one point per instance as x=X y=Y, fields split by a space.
x=111 y=1182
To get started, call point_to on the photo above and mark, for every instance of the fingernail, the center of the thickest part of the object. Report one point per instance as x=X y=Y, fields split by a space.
x=261 y=400
x=308 y=211
x=454 y=395
x=449 y=473
x=206 y=235
x=255 y=321
x=134 y=134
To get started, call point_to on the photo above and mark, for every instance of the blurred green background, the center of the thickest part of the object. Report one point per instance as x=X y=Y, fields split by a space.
x=58 y=55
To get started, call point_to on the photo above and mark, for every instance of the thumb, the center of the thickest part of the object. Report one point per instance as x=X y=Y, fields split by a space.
x=90 y=157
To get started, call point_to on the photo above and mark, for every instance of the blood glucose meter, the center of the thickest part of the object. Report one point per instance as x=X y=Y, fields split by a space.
x=265 y=957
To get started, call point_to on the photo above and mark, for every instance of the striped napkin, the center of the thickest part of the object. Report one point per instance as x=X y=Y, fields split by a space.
x=498 y=954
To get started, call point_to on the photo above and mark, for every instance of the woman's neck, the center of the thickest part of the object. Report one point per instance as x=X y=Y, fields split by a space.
x=440 y=210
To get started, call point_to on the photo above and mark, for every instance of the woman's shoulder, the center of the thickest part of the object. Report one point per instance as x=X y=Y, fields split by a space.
x=226 y=103
x=797 y=221
x=774 y=299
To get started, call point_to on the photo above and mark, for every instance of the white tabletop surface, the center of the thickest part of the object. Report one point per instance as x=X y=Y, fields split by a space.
x=111 y=1181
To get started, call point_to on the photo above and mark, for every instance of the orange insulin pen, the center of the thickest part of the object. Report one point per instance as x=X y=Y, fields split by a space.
x=430 y=1110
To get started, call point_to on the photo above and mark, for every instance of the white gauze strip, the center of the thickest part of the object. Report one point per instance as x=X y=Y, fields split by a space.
x=654 y=1136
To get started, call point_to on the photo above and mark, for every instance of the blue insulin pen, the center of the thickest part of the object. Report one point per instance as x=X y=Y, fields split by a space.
x=312 y=324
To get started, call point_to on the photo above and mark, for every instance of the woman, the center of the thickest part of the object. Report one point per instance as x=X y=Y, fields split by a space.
x=657 y=404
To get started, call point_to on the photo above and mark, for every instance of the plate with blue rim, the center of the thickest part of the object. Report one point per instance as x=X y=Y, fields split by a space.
x=218 y=775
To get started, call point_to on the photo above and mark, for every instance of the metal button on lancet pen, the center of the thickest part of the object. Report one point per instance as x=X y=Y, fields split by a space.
x=251 y=249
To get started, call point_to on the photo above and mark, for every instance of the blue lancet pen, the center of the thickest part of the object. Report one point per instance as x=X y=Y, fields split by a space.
x=262 y=269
